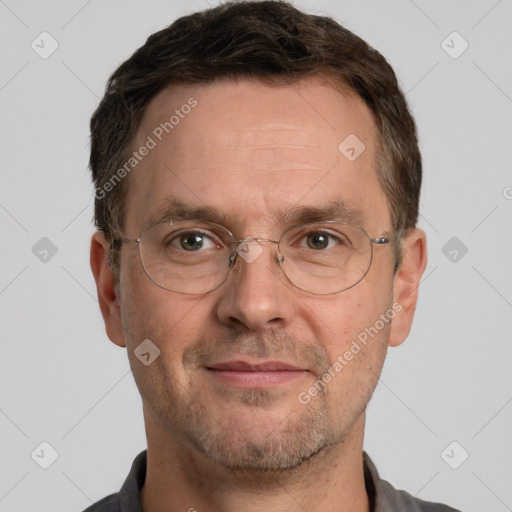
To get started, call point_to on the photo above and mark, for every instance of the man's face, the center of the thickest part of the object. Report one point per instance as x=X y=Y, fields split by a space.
x=235 y=365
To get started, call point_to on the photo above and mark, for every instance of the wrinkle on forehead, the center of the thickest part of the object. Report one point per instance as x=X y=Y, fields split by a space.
x=268 y=159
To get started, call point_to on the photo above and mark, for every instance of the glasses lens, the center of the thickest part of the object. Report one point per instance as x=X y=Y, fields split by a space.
x=186 y=256
x=195 y=257
x=325 y=258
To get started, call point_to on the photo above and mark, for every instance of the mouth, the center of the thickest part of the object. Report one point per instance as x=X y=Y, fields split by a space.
x=247 y=375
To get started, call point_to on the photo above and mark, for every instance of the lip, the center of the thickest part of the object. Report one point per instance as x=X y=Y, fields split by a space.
x=267 y=374
x=243 y=366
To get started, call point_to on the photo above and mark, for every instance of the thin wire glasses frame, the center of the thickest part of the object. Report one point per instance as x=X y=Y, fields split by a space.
x=198 y=226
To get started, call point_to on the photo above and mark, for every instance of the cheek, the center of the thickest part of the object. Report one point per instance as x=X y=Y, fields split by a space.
x=357 y=350
x=172 y=321
x=147 y=310
x=346 y=317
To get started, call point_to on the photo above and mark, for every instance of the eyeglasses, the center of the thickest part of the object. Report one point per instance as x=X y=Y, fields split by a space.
x=195 y=257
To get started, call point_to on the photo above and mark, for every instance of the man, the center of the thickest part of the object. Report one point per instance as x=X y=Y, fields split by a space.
x=257 y=180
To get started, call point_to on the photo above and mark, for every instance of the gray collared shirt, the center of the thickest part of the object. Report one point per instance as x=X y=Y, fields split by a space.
x=383 y=496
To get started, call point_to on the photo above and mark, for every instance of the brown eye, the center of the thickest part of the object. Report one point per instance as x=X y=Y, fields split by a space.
x=318 y=240
x=191 y=241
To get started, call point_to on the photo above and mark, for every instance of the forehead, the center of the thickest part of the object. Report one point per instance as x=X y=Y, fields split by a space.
x=249 y=150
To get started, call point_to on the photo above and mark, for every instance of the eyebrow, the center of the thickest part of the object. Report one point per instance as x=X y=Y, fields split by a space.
x=336 y=210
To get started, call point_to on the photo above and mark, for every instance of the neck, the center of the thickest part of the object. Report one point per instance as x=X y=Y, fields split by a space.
x=179 y=478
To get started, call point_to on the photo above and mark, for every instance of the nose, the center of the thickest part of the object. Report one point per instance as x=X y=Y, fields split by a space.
x=256 y=295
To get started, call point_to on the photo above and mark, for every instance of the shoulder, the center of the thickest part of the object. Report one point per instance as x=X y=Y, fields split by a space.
x=385 y=498
x=390 y=499
x=107 y=504
x=128 y=498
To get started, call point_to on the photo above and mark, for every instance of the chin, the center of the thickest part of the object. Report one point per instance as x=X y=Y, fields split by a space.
x=275 y=445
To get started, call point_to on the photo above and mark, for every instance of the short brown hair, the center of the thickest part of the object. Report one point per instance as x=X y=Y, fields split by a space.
x=270 y=41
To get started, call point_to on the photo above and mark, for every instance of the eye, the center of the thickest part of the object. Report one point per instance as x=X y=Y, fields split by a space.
x=194 y=241
x=320 y=240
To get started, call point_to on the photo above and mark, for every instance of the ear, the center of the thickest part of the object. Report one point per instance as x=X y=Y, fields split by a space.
x=107 y=288
x=406 y=283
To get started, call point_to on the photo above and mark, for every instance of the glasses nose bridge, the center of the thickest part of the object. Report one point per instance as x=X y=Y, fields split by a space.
x=238 y=244
x=251 y=239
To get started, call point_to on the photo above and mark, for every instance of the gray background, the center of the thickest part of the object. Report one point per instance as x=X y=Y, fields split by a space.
x=63 y=382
